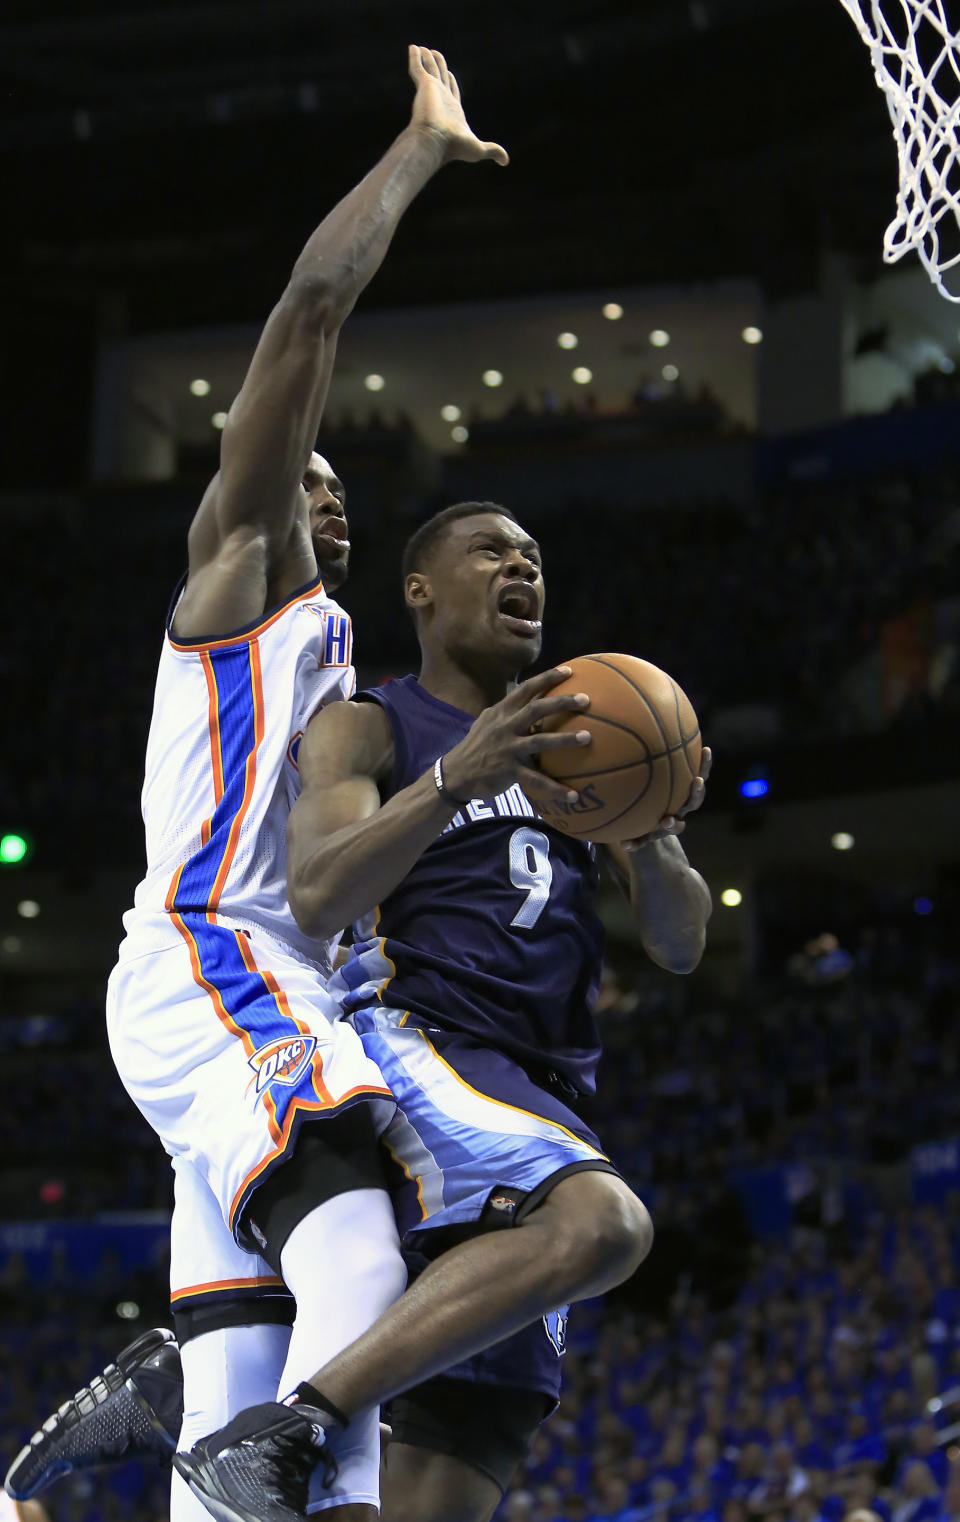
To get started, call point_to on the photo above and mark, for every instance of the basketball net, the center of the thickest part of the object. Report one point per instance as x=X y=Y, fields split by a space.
x=915 y=57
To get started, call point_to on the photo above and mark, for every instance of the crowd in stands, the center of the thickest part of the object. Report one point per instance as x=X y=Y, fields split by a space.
x=778 y=604
x=658 y=412
x=741 y=1375
x=815 y=1394
x=738 y=1377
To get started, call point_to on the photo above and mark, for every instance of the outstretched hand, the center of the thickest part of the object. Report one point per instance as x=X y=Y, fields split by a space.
x=674 y=824
x=437 y=108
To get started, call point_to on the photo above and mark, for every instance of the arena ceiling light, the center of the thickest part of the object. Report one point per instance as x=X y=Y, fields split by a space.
x=374 y=382
x=613 y=311
x=28 y=908
x=752 y=335
x=670 y=373
x=659 y=338
x=731 y=898
x=11 y=944
x=754 y=787
x=567 y=340
x=459 y=434
x=842 y=841
x=200 y=387
x=219 y=420
x=493 y=378
x=13 y=848
x=582 y=375
x=450 y=413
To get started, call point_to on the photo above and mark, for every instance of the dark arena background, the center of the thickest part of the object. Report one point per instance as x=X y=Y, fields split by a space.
x=666 y=339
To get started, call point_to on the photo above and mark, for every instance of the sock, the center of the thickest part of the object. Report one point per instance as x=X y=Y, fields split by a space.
x=308 y=1395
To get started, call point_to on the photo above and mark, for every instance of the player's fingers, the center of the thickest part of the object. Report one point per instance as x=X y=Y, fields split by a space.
x=441 y=64
x=534 y=745
x=538 y=785
x=706 y=762
x=673 y=824
x=533 y=686
x=532 y=714
x=697 y=791
x=414 y=64
x=498 y=154
x=428 y=63
x=454 y=87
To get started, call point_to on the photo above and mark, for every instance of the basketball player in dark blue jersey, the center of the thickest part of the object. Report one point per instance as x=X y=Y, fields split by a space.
x=472 y=985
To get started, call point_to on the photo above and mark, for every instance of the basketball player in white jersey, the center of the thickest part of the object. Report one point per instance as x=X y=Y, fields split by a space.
x=218 y=1020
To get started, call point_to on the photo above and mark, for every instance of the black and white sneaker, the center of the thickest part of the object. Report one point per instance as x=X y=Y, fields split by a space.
x=257 y=1468
x=132 y=1410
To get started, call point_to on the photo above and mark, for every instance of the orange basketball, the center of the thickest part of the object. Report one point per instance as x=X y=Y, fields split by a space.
x=642 y=759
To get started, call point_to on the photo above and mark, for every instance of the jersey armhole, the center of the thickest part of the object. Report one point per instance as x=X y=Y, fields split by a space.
x=242 y=636
x=400 y=752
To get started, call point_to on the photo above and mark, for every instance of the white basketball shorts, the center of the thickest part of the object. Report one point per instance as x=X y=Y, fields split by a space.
x=227 y=1042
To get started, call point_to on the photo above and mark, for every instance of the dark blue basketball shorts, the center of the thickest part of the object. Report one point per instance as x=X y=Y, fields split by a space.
x=474 y=1142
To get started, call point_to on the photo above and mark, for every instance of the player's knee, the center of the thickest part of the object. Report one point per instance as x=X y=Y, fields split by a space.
x=612 y=1232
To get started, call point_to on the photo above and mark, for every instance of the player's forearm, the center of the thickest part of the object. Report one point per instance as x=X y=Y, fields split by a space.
x=357 y=866
x=346 y=250
x=671 y=904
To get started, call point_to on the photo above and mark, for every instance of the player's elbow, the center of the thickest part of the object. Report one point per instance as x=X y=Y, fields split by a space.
x=315 y=303
x=681 y=954
x=312 y=896
x=313 y=912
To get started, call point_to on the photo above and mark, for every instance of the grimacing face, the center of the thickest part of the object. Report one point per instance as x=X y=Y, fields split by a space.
x=325 y=494
x=482 y=593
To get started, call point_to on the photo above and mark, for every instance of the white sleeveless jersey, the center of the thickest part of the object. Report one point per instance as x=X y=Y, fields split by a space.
x=221 y=769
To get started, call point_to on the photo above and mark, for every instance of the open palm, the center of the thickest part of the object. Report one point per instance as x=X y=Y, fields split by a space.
x=437 y=108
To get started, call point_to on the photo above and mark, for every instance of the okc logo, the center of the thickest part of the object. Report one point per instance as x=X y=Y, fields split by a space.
x=283 y=1061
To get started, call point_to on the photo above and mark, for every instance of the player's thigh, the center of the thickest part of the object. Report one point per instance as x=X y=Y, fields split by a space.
x=419 y=1486
x=226 y=1042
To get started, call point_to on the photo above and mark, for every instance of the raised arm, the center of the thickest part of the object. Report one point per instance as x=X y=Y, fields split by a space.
x=246 y=518
x=345 y=852
x=670 y=901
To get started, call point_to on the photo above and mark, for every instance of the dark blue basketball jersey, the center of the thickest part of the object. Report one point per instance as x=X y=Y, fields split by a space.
x=493 y=932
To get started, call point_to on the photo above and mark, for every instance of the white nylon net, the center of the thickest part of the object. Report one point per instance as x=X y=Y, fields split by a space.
x=915 y=61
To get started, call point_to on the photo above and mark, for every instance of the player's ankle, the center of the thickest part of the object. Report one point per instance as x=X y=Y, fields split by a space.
x=307 y=1394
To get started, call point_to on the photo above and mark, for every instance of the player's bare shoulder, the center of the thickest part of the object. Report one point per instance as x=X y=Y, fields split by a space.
x=228 y=582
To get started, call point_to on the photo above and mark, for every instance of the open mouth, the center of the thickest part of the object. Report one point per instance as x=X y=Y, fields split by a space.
x=331 y=535
x=519 y=607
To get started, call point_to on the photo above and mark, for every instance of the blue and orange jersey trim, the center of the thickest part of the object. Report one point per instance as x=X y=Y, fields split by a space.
x=236 y=725
x=246 y=631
